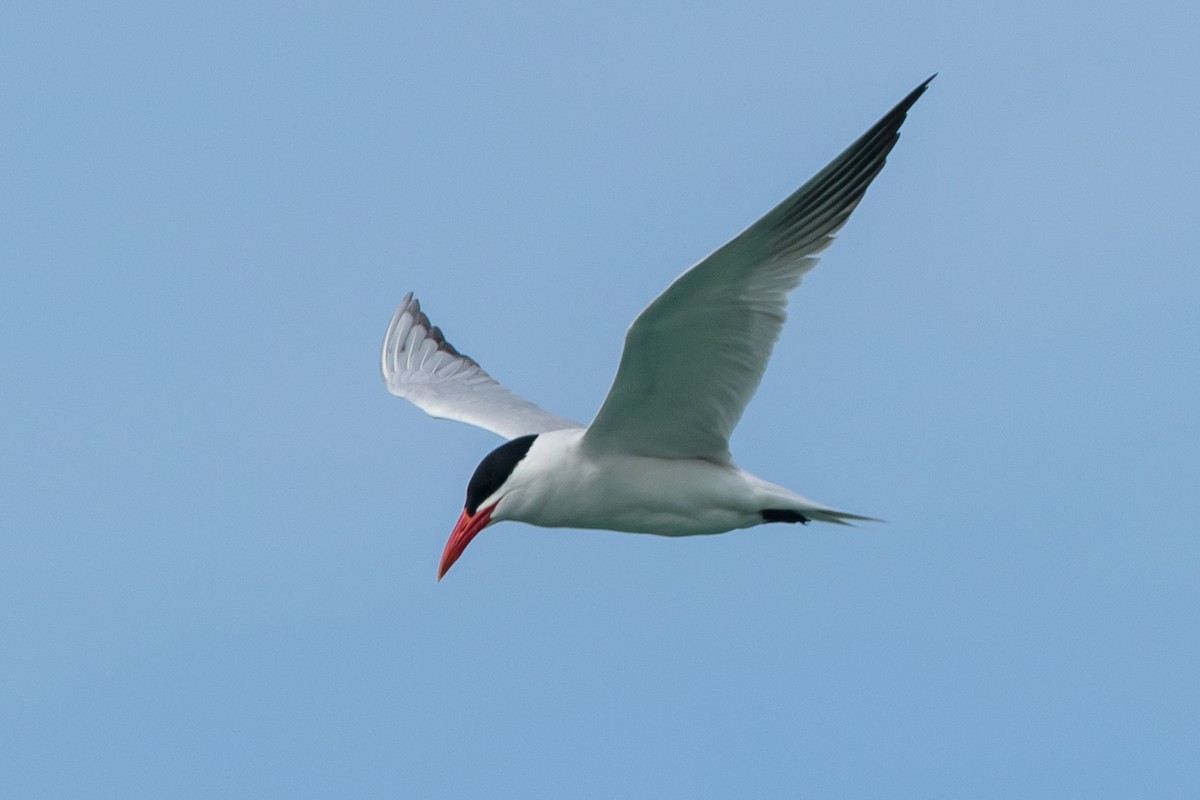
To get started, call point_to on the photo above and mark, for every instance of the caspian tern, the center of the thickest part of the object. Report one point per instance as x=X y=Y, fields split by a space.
x=656 y=457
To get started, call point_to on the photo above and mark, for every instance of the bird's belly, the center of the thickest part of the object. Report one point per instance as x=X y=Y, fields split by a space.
x=663 y=497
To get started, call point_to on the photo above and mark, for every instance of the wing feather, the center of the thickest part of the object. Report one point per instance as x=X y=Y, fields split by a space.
x=419 y=365
x=695 y=356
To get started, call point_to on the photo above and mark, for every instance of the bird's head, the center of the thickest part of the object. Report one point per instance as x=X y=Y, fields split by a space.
x=485 y=493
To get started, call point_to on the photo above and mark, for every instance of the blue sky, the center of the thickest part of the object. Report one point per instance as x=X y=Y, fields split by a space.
x=219 y=534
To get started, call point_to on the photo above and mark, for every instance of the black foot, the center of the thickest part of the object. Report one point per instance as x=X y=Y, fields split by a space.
x=783 y=515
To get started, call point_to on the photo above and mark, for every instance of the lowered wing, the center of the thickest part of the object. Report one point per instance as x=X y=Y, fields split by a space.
x=419 y=365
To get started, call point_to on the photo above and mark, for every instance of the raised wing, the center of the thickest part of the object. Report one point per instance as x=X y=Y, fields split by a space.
x=419 y=365
x=694 y=357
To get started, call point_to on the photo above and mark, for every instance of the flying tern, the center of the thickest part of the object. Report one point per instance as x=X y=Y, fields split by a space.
x=656 y=457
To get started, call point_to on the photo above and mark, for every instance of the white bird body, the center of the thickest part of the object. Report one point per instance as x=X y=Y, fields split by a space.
x=656 y=457
x=560 y=484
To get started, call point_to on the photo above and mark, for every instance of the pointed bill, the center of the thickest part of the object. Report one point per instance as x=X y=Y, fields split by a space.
x=465 y=529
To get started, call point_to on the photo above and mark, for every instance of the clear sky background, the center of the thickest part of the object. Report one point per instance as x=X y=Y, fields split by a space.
x=219 y=534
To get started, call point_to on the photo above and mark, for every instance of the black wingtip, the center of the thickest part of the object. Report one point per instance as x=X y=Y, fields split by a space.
x=895 y=118
x=904 y=105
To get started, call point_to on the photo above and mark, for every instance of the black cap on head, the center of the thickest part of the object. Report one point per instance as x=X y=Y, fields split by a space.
x=494 y=470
